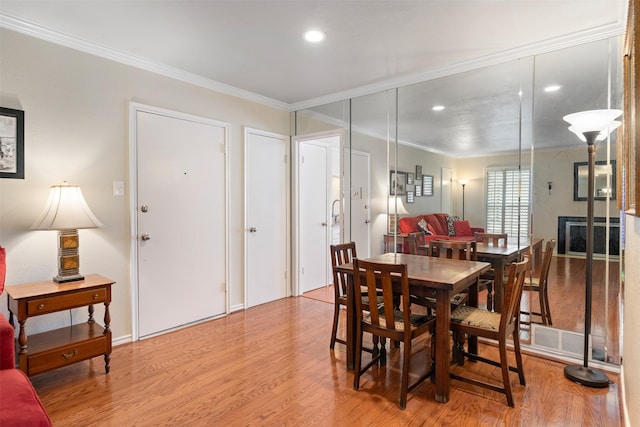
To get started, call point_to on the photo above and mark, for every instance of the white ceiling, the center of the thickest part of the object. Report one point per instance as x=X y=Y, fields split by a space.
x=254 y=49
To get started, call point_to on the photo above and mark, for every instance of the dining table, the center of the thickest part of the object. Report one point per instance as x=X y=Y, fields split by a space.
x=438 y=278
x=501 y=256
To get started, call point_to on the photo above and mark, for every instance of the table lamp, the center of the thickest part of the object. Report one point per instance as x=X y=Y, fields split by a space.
x=590 y=126
x=66 y=211
x=395 y=208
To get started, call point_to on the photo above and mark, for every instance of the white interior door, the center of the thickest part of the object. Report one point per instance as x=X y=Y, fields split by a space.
x=360 y=215
x=181 y=219
x=313 y=230
x=267 y=217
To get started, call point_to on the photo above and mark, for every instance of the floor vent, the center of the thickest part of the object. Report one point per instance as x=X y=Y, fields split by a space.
x=558 y=341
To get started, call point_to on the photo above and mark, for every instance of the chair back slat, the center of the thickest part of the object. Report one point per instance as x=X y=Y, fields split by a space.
x=493 y=239
x=518 y=271
x=453 y=249
x=343 y=253
x=380 y=277
x=416 y=240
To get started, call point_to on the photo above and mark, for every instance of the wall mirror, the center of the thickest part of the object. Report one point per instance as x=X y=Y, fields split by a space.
x=498 y=120
x=604 y=180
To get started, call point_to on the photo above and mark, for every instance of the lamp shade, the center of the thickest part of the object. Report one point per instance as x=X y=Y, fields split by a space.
x=602 y=121
x=396 y=206
x=66 y=209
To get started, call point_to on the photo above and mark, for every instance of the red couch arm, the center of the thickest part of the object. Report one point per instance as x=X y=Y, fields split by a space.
x=7 y=354
x=477 y=230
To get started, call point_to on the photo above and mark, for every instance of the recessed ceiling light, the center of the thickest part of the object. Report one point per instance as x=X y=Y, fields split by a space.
x=438 y=107
x=552 y=88
x=314 y=36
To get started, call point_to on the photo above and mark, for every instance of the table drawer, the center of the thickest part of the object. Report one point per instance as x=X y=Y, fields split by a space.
x=62 y=302
x=66 y=355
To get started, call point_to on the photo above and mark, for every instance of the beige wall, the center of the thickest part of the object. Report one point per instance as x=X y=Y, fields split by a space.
x=76 y=129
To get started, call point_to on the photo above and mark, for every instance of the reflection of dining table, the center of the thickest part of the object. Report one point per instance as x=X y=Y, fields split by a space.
x=501 y=256
x=437 y=278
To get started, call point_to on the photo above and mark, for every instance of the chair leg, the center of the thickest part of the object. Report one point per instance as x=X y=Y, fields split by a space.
x=458 y=348
x=404 y=387
x=516 y=349
x=358 y=361
x=334 y=330
x=504 y=362
x=547 y=309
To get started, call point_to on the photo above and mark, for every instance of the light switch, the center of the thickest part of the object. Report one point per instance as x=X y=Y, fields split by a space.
x=118 y=188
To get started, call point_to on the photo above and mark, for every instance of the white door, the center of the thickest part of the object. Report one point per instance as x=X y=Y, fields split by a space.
x=359 y=216
x=313 y=198
x=267 y=217
x=180 y=220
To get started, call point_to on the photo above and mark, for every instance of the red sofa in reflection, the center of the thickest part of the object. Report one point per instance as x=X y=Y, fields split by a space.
x=19 y=403
x=438 y=226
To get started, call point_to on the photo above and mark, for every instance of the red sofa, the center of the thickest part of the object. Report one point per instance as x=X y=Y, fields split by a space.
x=440 y=225
x=19 y=403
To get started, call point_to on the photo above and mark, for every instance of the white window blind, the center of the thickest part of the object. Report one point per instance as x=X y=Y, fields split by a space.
x=508 y=201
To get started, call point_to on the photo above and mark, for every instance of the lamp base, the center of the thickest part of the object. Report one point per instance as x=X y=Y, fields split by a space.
x=65 y=279
x=586 y=376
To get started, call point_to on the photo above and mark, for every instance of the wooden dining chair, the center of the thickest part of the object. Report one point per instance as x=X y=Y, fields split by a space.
x=417 y=243
x=540 y=285
x=487 y=279
x=343 y=253
x=387 y=321
x=471 y=321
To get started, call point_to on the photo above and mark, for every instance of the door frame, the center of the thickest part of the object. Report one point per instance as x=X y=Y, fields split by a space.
x=134 y=108
x=295 y=146
x=287 y=140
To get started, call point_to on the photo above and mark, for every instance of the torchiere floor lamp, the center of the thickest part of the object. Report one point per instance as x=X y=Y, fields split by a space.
x=590 y=126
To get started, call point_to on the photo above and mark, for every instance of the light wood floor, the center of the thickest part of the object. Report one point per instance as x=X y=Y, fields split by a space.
x=271 y=365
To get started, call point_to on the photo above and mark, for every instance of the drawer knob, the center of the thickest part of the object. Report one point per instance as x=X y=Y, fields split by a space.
x=40 y=306
x=70 y=354
x=95 y=296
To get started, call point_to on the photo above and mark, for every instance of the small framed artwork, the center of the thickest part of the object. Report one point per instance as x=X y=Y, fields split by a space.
x=11 y=143
x=418 y=172
x=397 y=183
x=409 y=178
x=409 y=196
x=418 y=190
x=427 y=185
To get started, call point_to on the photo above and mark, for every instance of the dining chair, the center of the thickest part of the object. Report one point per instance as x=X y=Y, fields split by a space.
x=488 y=278
x=540 y=285
x=387 y=321
x=417 y=243
x=471 y=321
x=343 y=253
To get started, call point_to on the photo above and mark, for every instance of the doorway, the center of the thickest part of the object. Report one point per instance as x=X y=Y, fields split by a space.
x=266 y=217
x=179 y=239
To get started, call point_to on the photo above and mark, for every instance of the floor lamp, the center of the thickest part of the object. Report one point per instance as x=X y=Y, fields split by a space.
x=463 y=182
x=590 y=126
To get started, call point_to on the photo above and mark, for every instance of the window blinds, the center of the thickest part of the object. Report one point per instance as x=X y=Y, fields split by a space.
x=508 y=192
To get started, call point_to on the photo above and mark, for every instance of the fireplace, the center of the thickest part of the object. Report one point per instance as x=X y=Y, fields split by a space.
x=572 y=236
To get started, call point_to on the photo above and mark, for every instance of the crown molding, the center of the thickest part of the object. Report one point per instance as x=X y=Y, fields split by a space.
x=30 y=29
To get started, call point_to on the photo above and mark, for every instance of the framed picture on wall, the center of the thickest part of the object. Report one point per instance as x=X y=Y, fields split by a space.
x=427 y=185
x=11 y=143
x=409 y=178
x=418 y=189
x=397 y=183
x=409 y=196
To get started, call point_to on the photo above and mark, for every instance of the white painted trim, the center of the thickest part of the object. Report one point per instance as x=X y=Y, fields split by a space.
x=28 y=28
x=134 y=108
x=287 y=140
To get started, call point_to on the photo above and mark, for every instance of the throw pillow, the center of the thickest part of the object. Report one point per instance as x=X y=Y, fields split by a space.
x=450 y=227
x=462 y=228
x=432 y=230
x=424 y=227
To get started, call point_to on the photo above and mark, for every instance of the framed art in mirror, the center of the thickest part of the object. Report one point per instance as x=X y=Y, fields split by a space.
x=11 y=143
x=427 y=185
x=397 y=183
x=601 y=188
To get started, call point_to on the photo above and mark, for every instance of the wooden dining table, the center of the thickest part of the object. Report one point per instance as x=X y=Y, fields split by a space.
x=438 y=278
x=501 y=256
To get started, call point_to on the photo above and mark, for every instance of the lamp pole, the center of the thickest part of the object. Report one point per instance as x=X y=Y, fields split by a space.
x=463 y=182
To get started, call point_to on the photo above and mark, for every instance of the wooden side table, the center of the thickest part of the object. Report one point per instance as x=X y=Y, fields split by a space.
x=54 y=349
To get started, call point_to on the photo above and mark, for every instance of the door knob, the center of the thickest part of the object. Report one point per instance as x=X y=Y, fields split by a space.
x=144 y=208
x=324 y=224
x=145 y=236
x=366 y=221
x=252 y=229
